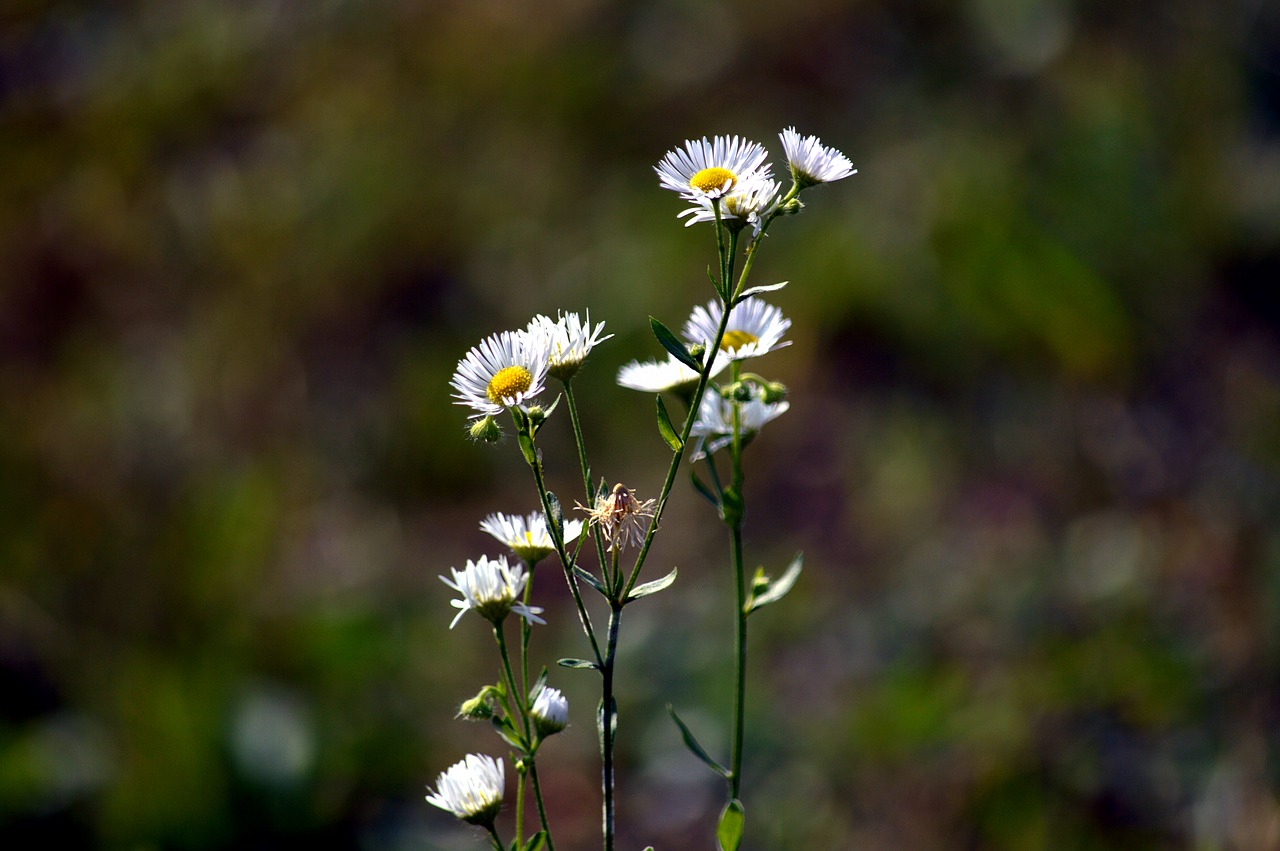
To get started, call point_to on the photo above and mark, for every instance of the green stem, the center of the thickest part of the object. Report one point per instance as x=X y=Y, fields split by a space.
x=576 y=421
x=726 y=272
x=605 y=721
x=739 y=578
x=495 y=838
x=542 y=810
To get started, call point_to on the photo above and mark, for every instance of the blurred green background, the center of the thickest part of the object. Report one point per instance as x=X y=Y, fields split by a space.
x=1031 y=458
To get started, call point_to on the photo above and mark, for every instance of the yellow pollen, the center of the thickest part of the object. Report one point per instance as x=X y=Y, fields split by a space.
x=711 y=179
x=737 y=339
x=507 y=383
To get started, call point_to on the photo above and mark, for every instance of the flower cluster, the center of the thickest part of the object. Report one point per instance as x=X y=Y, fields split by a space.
x=727 y=182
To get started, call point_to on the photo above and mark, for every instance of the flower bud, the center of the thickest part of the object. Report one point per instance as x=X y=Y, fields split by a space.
x=792 y=207
x=485 y=430
x=536 y=416
x=550 y=711
x=773 y=392
x=480 y=707
x=698 y=350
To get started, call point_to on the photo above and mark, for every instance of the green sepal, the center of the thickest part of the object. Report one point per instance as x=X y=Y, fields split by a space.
x=536 y=841
x=696 y=749
x=777 y=588
x=673 y=345
x=729 y=831
x=767 y=288
x=546 y=415
x=577 y=663
x=586 y=577
x=504 y=728
x=653 y=587
x=555 y=516
x=527 y=449
x=701 y=488
x=665 y=428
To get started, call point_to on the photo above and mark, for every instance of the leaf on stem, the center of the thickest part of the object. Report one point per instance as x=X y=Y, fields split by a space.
x=536 y=841
x=667 y=430
x=729 y=831
x=778 y=588
x=701 y=488
x=673 y=345
x=767 y=288
x=613 y=720
x=652 y=587
x=556 y=516
x=576 y=663
x=528 y=450
x=696 y=749
x=504 y=728
x=585 y=576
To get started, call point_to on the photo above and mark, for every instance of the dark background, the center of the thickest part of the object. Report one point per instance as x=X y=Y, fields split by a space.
x=1031 y=457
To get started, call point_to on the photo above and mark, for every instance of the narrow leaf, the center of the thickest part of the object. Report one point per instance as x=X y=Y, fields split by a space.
x=502 y=726
x=653 y=587
x=701 y=488
x=556 y=518
x=673 y=345
x=779 y=587
x=526 y=447
x=729 y=831
x=586 y=577
x=767 y=288
x=536 y=841
x=665 y=428
x=696 y=749
x=576 y=663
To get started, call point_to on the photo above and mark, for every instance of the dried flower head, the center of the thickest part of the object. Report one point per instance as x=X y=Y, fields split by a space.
x=620 y=516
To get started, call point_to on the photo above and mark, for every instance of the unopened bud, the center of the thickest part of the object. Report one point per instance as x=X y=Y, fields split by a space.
x=773 y=392
x=792 y=207
x=485 y=430
x=698 y=350
x=478 y=708
x=536 y=416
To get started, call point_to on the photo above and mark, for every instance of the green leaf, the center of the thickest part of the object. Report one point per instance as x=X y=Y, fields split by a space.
x=586 y=577
x=673 y=345
x=653 y=587
x=556 y=515
x=576 y=663
x=665 y=428
x=613 y=721
x=504 y=728
x=748 y=293
x=536 y=841
x=731 y=507
x=779 y=587
x=527 y=448
x=701 y=488
x=729 y=831
x=540 y=683
x=696 y=749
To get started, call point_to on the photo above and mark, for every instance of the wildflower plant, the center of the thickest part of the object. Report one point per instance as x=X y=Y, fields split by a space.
x=726 y=183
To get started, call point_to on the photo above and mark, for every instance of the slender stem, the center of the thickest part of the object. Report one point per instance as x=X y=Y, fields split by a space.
x=557 y=538
x=522 y=709
x=726 y=271
x=495 y=838
x=606 y=726
x=586 y=474
x=526 y=630
x=740 y=585
x=542 y=810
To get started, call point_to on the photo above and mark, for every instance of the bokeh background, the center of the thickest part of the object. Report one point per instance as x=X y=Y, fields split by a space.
x=1031 y=458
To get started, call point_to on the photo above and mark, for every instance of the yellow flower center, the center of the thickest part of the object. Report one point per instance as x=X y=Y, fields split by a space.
x=737 y=339
x=507 y=383
x=712 y=179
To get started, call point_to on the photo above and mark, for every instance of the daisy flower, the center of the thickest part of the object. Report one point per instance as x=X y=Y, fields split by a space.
x=703 y=171
x=528 y=536
x=811 y=162
x=746 y=206
x=492 y=588
x=669 y=376
x=714 y=424
x=754 y=328
x=505 y=370
x=569 y=341
x=621 y=517
x=550 y=711
x=471 y=789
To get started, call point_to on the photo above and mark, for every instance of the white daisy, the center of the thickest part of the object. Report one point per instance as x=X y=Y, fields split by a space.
x=811 y=162
x=505 y=370
x=755 y=328
x=669 y=376
x=492 y=588
x=714 y=424
x=471 y=789
x=569 y=341
x=528 y=536
x=701 y=171
x=748 y=204
x=550 y=711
